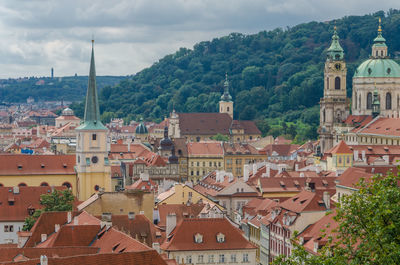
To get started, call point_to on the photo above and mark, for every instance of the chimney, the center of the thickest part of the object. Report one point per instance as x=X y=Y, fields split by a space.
x=43 y=260
x=302 y=175
x=129 y=147
x=268 y=172
x=230 y=177
x=16 y=190
x=131 y=215
x=296 y=167
x=355 y=154
x=363 y=155
x=144 y=176
x=246 y=173
x=317 y=170
x=43 y=237
x=56 y=228
x=327 y=199
x=171 y=223
x=69 y=217
x=106 y=217
x=156 y=246
x=316 y=246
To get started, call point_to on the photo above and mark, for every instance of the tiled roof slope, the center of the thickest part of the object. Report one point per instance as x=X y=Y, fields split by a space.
x=37 y=165
x=148 y=257
x=183 y=236
x=14 y=206
x=204 y=123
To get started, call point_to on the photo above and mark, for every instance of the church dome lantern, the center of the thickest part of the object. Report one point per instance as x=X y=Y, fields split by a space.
x=335 y=51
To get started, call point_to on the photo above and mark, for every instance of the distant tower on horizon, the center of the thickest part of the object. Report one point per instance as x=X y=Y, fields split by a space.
x=52 y=73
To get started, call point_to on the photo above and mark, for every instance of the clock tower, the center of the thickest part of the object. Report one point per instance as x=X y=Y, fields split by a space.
x=334 y=106
x=92 y=165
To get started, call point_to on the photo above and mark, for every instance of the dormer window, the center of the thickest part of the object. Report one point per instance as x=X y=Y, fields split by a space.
x=94 y=137
x=198 y=238
x=220 y=238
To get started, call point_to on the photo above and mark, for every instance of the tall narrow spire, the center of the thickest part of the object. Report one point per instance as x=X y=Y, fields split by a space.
x=92 y=111
x=335 y=51
x=379 y=48
x=226 y=96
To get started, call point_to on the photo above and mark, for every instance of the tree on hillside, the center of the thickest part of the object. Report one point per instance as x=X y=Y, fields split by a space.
x=57 y=201
x=369 y=228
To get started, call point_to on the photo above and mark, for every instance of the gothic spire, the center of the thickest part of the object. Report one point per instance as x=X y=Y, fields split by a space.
x=91 y=119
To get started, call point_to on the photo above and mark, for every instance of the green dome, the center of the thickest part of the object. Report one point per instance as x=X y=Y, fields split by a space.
x=378 y=67
x=141 y=128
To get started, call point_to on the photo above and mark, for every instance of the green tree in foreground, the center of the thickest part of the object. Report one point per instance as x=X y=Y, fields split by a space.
x=368 y=231
x=56 y=201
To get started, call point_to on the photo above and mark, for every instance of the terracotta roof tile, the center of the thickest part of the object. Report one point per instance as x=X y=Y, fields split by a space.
x=183 y=236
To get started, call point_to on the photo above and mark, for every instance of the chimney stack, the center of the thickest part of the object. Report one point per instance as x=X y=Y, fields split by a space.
x=327 y=199
x=56 y=228
x=69 y=217
x=43 y=237
x=355 y=154
x=254 y=168
x=43 y=260
x=76 y=221
x=268 y=171
x=363 y=156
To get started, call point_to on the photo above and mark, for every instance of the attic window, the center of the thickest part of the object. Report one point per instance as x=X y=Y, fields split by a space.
x=325 y=182
x=369 y=71
x=42 y=165
x=388 y=71
x=296 y=183
x=19 y=167
x=369 y=148
x=220 y=238
x=64 y=165
x=282 y=183
x=115 y=247
x=198 y=238
x=386 y=148
x=303 y=201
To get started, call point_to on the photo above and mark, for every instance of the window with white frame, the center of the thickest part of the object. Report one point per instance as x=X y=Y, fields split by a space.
x=189 y=259
x=210 y=258
x=233 y=257
x=221 y=258
x=200 y=259
x=198 y=238
x=220 y=238
x=245 y=257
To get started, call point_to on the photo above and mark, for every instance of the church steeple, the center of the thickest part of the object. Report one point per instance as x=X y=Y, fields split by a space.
x=226 y=96
x=226 y=103
x=335 y=51
x=91 y=119
x=379 y=48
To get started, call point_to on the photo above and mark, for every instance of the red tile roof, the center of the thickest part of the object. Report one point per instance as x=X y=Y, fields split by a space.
x=296 y=184
x=340 y=148
x=280 y=149
x=37 y=164
x=147 y=257
x=205 y=149
x=182 y=238
x=383 y=126
x=239 y=148
x=305 y=201
x=204 y=123
x=27 y=197
x=181 y=210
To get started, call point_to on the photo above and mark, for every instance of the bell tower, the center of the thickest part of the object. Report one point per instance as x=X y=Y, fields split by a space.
x=334 y=106
x=92 y=165
x=226 y=103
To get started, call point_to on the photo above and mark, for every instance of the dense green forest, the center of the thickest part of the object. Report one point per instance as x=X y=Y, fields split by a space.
x=70 y=88
x=276 y=77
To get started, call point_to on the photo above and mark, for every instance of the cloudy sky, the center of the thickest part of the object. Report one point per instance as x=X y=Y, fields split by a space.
x=132 y=34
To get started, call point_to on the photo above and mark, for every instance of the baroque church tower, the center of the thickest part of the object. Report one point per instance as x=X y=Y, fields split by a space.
x=93 y=168
x=334 y=106
x=226 y=103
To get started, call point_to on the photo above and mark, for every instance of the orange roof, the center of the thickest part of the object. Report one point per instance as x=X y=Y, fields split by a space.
x=205 y=148
x=27 y=197
x=340 y=148
x=305 y=201
x=181 y=210
x=383 y=126
x=19 y=164
x=182 y=238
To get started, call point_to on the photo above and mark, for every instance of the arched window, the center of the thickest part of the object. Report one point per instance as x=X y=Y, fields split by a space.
x=44 y=184
x=369 y=100
x=376 y=53
x=359 y=102
x=67 y=184
x=382 y=53
x=337 y=82
x=323 y=115
x=388 y=101
x=22 y=184
x=327 y=83
x=227 y=108
x=355 y=102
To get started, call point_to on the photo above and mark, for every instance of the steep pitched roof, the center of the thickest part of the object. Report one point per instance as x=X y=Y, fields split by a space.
x=340 y=148
x=182 y=238
x=303 y=202
x=14 y=206
x=204 y=123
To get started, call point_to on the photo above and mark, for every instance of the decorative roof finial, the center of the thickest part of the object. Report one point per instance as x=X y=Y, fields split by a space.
x=379 y=27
